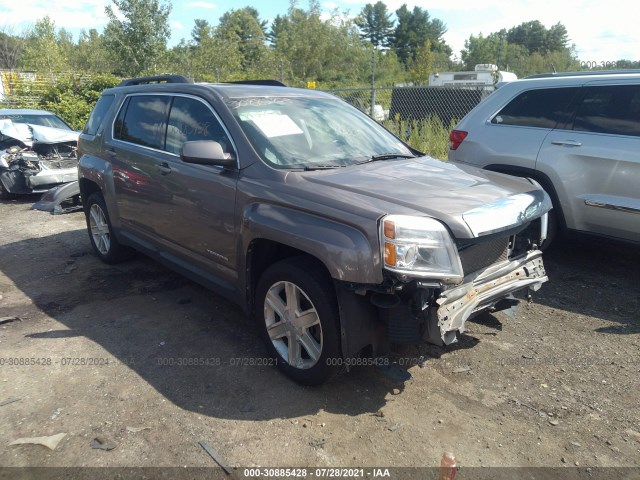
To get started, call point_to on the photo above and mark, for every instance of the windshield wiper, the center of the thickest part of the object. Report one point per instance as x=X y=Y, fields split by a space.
x=385 y=156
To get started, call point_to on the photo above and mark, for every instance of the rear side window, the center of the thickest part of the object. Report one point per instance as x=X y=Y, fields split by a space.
x=191 y=120
x=543 y=108
x=611 y=109
x=143 y=120
x=98 y=114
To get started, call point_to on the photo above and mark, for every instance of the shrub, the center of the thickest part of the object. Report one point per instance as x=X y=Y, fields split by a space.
x=428 y=135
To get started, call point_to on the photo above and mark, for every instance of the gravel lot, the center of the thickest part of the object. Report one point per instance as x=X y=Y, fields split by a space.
x=151 y=363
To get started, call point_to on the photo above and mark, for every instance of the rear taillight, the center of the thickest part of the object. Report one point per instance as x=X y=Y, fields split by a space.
x=456 y=137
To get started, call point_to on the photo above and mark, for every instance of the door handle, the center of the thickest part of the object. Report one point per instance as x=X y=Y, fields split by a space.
x=111 y=152
x=164 y=168
x=568 y=143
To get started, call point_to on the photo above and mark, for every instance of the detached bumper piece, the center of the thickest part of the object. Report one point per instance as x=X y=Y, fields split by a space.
x=62 y=199
x=483 y=290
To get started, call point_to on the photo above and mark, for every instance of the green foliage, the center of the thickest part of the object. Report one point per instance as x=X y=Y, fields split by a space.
x=422 y=65
x=137 y=38
x=376 y=24
x=526 y=49
x=429 y=135
x=245 y=29
x=413 y=29
x=11 y=47
x=538 y=39
x=43 y=50
x=536 y=53
x=91 y=54
x=326 y=51
x=389 y=70
x=72 y=98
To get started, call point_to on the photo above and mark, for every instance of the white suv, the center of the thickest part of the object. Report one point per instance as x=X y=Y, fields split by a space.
x=577 y=134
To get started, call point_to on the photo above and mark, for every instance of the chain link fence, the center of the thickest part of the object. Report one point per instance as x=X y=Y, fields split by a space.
x=422 y=116
x=413 y=103
x=23 y=89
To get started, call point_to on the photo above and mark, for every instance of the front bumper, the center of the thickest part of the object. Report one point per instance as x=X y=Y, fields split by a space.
x=483 y=289
x=52 y=176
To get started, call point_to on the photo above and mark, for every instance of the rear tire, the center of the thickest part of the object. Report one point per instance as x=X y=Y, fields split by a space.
x=297 y=313
x=103 y=241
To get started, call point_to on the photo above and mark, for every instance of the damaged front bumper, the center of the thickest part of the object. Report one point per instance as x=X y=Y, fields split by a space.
x=35 y=158
x=482 y=290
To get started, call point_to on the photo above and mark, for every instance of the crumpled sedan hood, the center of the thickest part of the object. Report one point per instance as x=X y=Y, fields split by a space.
x=470 y=201
x=29 y=133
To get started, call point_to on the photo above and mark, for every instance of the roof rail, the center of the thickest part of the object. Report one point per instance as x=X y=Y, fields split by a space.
x=154 y=79
x=583 y=74
x=273 y=83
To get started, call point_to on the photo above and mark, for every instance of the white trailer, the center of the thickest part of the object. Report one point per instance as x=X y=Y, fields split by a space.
x=485 y=75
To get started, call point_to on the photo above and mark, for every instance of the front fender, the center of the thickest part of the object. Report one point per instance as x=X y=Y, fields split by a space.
x=345 y=251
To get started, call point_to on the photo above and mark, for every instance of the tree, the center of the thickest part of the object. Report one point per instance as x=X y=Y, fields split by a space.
x=245 y=27
x=10 y=49
x=42 y=51
x=480 y=49
x=422 y=64
x=328 y=51
x=201 y=29
x=215 y=56
x=138 y=36
x=90 y=53
x=537 y=39
x=388 y=68
x=557 y=38
x=526 y=49
x=375 y=24
x=413 y=29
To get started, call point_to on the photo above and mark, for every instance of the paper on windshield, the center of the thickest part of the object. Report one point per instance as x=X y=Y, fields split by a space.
x=276 y=125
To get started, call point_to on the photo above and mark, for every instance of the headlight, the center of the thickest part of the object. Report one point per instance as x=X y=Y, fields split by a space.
x=420 y=247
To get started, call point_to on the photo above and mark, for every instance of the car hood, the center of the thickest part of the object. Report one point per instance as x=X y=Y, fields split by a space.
x=29 y=133
x=470 y=201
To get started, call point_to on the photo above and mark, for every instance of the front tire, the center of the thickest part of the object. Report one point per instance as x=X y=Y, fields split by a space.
x=103 y=241
x=297 y=314
x=4 y=193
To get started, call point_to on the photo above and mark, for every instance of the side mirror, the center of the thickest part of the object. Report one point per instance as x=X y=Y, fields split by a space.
x=206 y=152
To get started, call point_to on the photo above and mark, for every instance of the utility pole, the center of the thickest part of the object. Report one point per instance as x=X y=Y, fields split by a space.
x=373 y=80
x=500 y=49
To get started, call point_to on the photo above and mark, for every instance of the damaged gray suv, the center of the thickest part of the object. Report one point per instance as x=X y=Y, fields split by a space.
x=335 y=235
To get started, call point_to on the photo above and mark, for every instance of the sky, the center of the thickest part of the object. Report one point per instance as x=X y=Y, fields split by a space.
x=601 y=31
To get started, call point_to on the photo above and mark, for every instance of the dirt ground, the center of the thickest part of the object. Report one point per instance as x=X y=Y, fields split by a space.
x=152 y=363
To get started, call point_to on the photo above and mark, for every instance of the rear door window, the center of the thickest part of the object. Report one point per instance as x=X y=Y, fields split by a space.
x=543 y=108
x=143 y=120
x=613 y=109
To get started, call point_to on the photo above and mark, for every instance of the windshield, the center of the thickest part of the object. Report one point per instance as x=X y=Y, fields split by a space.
x=313 y=132
x=44 y=120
